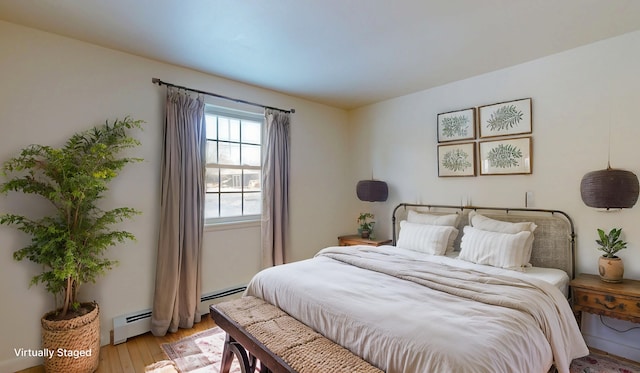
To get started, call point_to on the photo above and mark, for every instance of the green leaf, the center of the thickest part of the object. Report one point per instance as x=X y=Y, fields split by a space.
x=456 y=160
x=610 y=243
x=505 y=117
x=504 y=156
x=455 y=126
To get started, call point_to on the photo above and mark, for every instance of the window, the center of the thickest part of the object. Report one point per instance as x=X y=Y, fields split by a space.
x=233 y=170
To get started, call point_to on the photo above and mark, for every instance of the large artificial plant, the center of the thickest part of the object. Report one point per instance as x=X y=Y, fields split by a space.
x=70 y=242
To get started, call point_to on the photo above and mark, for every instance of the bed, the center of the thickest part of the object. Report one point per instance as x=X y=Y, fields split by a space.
x=491 y=298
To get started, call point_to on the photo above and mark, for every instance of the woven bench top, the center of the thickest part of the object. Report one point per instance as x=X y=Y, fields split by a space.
x=298 y=345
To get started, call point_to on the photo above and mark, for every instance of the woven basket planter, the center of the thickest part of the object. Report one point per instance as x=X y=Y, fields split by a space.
x=74 y=343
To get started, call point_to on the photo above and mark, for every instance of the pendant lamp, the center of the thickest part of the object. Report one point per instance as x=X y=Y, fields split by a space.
x=609 y=189
x=372 y=190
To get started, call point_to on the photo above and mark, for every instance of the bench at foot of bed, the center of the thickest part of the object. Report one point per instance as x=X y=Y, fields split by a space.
x=259 y=331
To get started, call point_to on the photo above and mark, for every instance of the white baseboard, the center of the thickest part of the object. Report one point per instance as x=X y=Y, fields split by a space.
x=599 y=333
x=614 y=348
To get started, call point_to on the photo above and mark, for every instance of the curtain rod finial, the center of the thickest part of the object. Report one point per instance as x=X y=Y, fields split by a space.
x=155 y=81
x=293 y=111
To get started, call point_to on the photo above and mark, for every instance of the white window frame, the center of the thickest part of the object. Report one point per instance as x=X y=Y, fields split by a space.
x=242 y=115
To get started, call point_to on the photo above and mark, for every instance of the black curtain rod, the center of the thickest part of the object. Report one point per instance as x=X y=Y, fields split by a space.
x=160 y=82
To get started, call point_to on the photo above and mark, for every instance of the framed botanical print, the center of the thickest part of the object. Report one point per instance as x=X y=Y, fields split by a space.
x=457 y=125
x=457 y=159
x=504 y=157
x=505 y=118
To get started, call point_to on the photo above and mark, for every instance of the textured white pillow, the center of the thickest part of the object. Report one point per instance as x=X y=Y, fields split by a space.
x=432 y=219
x=487 y=224
x=435 y=219
x=425 y=238
x=504 y=250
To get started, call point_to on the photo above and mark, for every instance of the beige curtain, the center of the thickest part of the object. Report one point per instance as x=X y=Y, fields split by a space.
x=275 y=187
x=178 y=268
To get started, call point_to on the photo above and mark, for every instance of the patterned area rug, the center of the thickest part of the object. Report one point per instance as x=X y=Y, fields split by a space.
x=597 y=363
x=201 y=353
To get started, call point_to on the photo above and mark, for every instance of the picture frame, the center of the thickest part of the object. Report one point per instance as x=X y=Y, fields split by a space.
x=506 y=156
x=505 y=118
x=457 y=159
x=457 y=125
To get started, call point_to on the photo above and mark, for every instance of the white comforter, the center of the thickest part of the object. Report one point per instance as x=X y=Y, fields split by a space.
x=407 y=312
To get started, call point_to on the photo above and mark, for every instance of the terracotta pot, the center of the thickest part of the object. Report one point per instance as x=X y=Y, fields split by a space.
x=611 y=269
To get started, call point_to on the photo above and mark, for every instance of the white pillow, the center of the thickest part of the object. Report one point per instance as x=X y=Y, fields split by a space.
x=487 y=224
x=435 y=219
x=504 y=250
x=432 y=219
x=425 y=238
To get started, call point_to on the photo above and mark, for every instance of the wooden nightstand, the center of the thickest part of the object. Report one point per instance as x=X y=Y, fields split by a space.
x=354 y=239
x=592 y=295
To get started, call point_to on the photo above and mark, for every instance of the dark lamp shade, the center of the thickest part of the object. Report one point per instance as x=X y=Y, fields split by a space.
x=609 y=189
x=372 y=190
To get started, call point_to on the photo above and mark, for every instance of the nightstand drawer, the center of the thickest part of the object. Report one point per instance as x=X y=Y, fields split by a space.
x=354 y=239
x=607 y=302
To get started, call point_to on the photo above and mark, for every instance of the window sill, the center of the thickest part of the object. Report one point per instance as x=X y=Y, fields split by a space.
x=231 y=225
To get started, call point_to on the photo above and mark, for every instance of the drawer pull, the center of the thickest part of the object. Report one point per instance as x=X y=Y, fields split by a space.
x=610 y=299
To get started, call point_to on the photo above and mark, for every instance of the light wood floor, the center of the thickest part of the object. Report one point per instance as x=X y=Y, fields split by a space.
x=140 y=351
x=137 y=352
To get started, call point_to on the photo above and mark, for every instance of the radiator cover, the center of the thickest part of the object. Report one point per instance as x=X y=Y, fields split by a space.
x=133 y=324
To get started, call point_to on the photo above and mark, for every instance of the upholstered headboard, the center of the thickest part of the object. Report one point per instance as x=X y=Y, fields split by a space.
x=554 y=242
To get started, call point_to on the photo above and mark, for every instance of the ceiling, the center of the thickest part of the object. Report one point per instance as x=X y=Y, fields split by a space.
x=344 y=53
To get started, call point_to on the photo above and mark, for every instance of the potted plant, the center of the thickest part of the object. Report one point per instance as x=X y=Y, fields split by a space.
x=70 y=241
x=610 y=266
x=365 y=224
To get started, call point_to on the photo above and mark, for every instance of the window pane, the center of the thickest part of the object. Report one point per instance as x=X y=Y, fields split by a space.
x=231 y=204
x=210 y=121
x=212 y=180
x=228 y=129
x=211 y=205
x=251 y=132
x=228 y=153
x=212 y=152
x=230 y=180
x=251 y=155
x=234 y=130
x=252 y=203
x=223 y=128
x=233 y=155
x=252 y=180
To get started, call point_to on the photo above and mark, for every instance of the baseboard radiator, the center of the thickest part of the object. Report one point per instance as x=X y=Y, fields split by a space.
x=130 y=325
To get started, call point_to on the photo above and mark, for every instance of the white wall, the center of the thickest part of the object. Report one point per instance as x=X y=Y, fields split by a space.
x=53 y=86
x=577 y=95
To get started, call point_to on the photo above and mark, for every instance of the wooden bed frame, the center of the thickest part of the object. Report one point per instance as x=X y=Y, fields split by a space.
x=555 y=238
